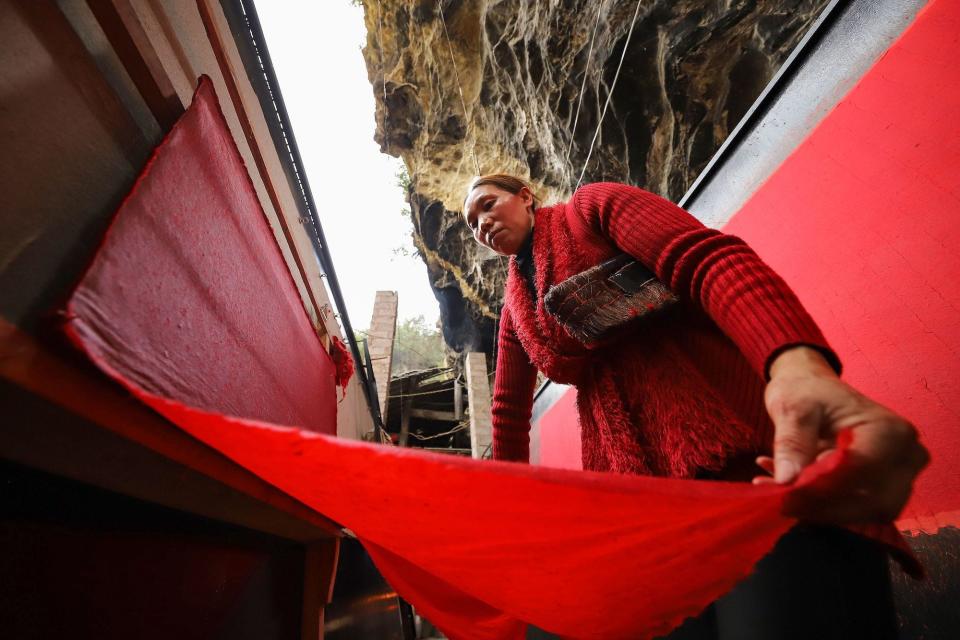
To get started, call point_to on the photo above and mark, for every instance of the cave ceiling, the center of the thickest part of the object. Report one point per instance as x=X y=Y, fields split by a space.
x=534 y=78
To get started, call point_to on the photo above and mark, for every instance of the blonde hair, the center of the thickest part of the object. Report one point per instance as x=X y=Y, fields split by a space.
x=505 y=181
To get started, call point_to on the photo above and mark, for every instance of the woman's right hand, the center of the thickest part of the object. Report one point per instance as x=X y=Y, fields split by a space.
x=810 y=406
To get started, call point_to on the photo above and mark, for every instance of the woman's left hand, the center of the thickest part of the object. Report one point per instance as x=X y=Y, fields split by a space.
x=810 y=406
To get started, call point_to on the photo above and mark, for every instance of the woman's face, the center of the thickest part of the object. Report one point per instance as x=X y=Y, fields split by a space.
x=499 y=219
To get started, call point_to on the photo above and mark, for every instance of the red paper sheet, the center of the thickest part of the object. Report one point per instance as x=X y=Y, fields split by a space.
x=189 y=306
x=190 y=298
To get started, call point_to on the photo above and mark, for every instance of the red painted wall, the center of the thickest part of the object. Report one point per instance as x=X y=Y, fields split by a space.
x=863 y=220
x=560 y=434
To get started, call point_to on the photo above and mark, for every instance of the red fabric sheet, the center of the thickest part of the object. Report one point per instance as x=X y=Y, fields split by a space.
x=189 y=306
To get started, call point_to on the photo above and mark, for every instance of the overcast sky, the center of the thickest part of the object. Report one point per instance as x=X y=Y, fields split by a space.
x=315 y=48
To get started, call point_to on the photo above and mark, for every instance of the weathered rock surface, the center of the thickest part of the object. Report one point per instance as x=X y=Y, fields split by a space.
x=535 y=77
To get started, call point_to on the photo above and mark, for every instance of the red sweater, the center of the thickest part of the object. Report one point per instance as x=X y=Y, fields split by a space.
x=682 y=394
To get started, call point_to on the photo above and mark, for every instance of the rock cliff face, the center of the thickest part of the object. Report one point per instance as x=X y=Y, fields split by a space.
x=519 y=86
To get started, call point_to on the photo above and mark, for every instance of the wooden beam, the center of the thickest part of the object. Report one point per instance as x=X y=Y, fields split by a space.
x=129 y=39
x=451 y=450
x=457 y=399
x=62 y=43
x=430 y=414
x=478 y=395
x=319 y=574
x=405 y=412
x=62 y=416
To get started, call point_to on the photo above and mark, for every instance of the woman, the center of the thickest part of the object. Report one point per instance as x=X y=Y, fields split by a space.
x=736 y=374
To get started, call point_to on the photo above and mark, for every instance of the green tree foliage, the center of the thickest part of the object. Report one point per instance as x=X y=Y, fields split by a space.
x=403 y=179
x=404 y=183
x=417 y=346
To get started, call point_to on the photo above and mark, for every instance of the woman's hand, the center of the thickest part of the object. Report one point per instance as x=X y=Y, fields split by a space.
x=810 y=406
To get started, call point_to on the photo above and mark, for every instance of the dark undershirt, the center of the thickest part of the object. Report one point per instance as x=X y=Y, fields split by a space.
x=524 y=258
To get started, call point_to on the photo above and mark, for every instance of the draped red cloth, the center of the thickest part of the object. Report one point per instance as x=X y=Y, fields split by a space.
x=189 y=296
x=189 y=305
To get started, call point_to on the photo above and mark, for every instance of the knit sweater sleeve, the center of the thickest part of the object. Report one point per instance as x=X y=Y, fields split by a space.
x=717 y=272
x=512 y=395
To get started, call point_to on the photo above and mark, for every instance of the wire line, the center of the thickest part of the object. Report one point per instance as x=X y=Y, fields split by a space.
x=456 y=74
x=583 y=84
x=383 y=72
x=613 y=85
x=460 y=427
